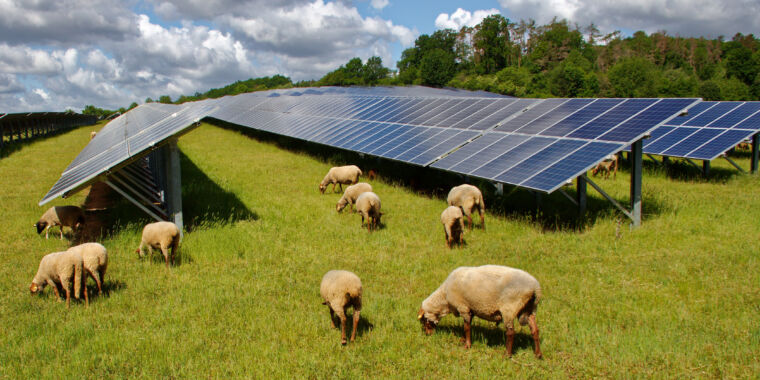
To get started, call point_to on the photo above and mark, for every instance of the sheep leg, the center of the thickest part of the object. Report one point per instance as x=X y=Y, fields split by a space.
x=510 y=337
x=55 y=289
x=356 y=323
x=47 y=229
x=332 y=317
x=446 y=236
x=340 y=186
x=97 y=281
x=534 y=331
x=166 y=256
x=469 y=220
x=467 y=331
x=342 y=316
x=61 y=228
x=482 y=220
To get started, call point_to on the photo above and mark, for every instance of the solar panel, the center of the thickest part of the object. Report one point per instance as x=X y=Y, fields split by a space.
x=709 y=130
x=503 y=139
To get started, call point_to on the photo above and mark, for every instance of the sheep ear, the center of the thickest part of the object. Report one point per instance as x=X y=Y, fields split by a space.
x=420 y=314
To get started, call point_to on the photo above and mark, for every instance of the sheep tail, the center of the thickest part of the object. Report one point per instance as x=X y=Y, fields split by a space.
x=482 y=204
x=78 y=268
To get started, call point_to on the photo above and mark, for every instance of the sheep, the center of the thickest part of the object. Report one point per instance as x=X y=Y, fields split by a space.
x=368 y=206
x=95 y=259
x=58 y=268
x=340 y=175
x=468 y=197
x=162 y=235
x=453 y=226
x=609 y=164
x=352 y=192
x=372 y=174
x=93 y=134
x=341 y=289
x=69 y=216
x=492 y=292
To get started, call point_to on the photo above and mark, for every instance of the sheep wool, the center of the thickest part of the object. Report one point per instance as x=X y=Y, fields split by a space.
x=68 y=216
x=368 y=206
x=453 y=226
x=491 y=292
x=95 y=261
x=163 y=236
x=352 y=192
x=60 y=268
x=342 y=175
x=341 y=289
x=468 y=197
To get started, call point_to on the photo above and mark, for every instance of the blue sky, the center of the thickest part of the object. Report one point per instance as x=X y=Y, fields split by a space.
x=56 y=55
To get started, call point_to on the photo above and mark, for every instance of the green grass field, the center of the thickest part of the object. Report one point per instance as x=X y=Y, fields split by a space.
x=678 y=297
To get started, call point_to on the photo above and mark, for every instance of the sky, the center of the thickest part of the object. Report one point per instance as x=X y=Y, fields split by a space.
x=65 y=54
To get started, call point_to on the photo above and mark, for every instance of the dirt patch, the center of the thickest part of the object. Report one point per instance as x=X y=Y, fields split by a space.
x=99 y=200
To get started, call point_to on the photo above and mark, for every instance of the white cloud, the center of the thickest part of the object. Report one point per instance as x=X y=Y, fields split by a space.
x=692 y=18
x=9 y=85
x=462 y=17
x=44 y=95
x=25 y=60
x=379 y=4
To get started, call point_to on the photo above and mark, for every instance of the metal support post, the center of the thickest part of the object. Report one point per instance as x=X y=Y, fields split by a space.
x=706 y=167
x=173 y=183
x=755 y=152
x=665 y=160
x=636 y=155
x=499 y=188
x=581 y=193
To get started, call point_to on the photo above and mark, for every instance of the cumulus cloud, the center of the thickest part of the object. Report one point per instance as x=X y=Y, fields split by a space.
x=379 y=4
x=692 y=18
x=462 y=17
x=9 y=85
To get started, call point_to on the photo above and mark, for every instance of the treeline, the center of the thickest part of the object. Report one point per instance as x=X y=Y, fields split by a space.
x=559 y=60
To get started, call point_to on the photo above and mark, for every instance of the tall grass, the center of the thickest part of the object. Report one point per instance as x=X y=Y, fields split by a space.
x=677 y=297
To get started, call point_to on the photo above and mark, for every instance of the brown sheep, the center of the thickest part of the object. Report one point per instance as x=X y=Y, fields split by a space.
x=609 y=164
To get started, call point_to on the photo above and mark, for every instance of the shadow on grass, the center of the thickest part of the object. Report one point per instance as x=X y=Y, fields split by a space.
x=108 y=287
x=682 y=170
x=552 y=212
x=494 y=336
x=362 y=327
x=15 y=146
x=157 y=257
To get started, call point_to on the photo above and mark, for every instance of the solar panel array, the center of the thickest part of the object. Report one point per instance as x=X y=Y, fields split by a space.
x=707 y=131
x=534 y=143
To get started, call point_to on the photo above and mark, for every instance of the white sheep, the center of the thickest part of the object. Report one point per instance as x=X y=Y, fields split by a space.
x=341 y=289
x=342 y=175
x=60 y=268
x=161 y=235
x=352 y=192
x=492 y=292
x=368 y=206
x=69 y=216
x=95 y=260
x=453 y=226
x=468 y=197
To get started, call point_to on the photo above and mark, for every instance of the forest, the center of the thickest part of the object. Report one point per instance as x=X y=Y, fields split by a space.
x=524 y=59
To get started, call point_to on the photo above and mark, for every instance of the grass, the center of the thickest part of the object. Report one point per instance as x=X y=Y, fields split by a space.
x=677 y=297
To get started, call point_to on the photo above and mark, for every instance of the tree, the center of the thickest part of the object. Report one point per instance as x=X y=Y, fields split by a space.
x=148 y=100
x=165 y=99
x=633 y=78
x=133 y=105
x=373 y=71
x=437 y=68
x=492 y=44
x=710 y=91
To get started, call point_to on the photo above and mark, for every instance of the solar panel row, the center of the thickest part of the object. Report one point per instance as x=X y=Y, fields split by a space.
x=534 y=143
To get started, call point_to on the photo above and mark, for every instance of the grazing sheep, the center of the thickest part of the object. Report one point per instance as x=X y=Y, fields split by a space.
x=609 y=164
x=93 y=134
x=453 y=225
x=372 y=174
x=744 y=145
x=341 y=289
x=69 y=216
x=342 y=175
x=162 y=235
x=352 y=192
x=95 y=260
x=59 y=268
x=492 y=292
x=368 y=206
x=468 y=197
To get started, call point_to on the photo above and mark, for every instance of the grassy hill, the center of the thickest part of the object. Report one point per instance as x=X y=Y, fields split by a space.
x=676 y=298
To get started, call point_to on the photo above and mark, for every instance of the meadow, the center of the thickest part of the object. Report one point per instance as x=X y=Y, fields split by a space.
x=676 y=298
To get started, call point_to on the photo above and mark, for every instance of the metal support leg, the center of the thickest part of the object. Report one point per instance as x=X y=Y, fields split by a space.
x=581 y=193
x=665 y=160
x=174 y=184
x=755 y=152
x=499 y=189
x=635 y=156
x=706 y=167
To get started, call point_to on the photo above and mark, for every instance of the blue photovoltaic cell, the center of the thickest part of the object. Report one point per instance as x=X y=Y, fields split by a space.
x=665 y=142
x=406 y=143
x=394 y=110
x=612 y=118
x=425 y=117
x=424 y=108
x=382 y=138
x=583 y=116
x=467 y=151
x=537 y=110
x=511 y=108
x=711 y=114
x=752 y=123
x=447 y=146
x=337 y=130
x=693 y=111
x=366 y=138
x=462 y=114
x=408 y=133
x=646 y=120
x=360 y=129
x=410 y=107
x=737 y=115
x=438 y=136
x=571 y=166
x=489 y=107
x=718 y=145
x=547 y=120
x=692 y=142
x=488 y=153
x=538 y=162
x=656 y=134
x=521 y=151
x=450 y=109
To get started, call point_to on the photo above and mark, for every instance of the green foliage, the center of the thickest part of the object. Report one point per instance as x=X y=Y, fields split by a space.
x=437 y=67
x=165 y=99
x=676 y=83
x=633 y=78
x=709 y=90
x=492 y=44
x=354 y=73
x=734 y=89
x=99 y=112
x=676 y=298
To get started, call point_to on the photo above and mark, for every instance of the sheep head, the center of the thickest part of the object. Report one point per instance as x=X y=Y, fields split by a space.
x=322 y=188
x=428 y=324
x=341 y=204
x=34 y=288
